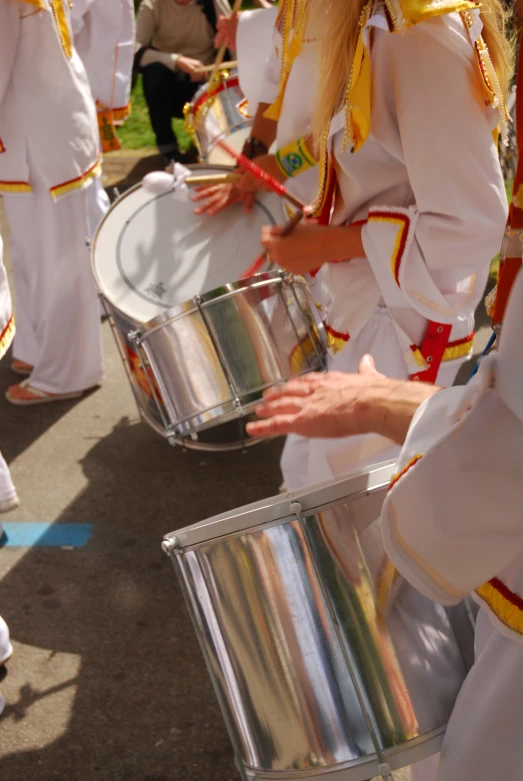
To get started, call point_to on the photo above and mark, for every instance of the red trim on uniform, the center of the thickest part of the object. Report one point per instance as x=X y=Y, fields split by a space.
x=401 y=242
x=235 y=82
x=396 y=478
x=337 y=334
x=505 y=592
x=465 y=340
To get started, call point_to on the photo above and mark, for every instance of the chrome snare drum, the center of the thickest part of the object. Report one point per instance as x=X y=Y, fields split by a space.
x=197 y=360
x=218 y=112
x=325 y=661
x=214 y=355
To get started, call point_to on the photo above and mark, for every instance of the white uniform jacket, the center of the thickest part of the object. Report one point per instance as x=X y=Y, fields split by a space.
x=297 y=107
x=48 y=118
x=428 y=182
x=104 y=32
x=453 y=517
x=253 y=44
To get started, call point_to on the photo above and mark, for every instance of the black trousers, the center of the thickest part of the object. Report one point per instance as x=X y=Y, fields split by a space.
x=166 y=92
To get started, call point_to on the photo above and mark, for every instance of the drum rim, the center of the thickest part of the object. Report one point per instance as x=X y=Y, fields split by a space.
x=211 y=297
x=283 y=507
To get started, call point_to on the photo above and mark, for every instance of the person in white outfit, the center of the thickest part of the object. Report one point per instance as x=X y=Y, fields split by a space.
x=6 y=651
x=50 y=180
x=8 y=496
x=104 y=33
x=412 y=202
x=452 y=522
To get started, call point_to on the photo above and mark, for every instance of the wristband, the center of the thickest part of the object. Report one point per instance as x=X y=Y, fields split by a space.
x=295 y=158
x=253 y=147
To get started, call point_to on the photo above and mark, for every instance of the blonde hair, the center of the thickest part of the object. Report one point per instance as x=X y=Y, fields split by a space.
x=337 y=24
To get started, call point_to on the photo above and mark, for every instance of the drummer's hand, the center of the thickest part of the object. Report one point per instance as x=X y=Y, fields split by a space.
x=320 y=405
x=310 y=245
x=192 y=67
x=226 y=28
x=217 y=197
x=250 y=183
x=342 y=405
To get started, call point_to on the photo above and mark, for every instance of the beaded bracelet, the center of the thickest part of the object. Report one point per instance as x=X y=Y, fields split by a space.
x=295 y=158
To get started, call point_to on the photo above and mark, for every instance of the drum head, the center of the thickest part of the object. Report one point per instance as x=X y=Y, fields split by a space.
x=151 y=252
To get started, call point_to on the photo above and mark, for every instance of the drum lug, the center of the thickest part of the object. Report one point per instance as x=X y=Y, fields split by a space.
x=134 y=336
x=296 y=509
x=384 y=771
x=171 y=545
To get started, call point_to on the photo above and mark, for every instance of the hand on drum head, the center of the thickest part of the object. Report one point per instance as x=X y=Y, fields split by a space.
x=334 y=405
x=217 y=197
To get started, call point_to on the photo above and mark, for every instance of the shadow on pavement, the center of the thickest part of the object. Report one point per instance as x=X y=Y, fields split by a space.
x=143 y=709
x=143 y=166
x=21 y=426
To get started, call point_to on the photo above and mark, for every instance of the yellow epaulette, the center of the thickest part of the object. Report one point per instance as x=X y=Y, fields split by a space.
x=37 y=3
x=400 y=15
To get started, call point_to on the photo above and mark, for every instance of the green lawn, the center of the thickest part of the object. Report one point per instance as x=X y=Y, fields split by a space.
x=136 y=133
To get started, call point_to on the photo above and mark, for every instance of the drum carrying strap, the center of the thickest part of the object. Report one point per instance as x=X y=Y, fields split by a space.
x=432 y=350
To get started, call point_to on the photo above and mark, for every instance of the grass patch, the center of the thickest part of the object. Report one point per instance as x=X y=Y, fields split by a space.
x=137 y=133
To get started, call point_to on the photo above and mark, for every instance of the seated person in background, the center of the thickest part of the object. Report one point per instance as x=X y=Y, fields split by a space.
x=174 y=39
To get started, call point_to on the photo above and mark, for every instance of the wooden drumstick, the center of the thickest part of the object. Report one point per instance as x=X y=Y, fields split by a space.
x=285 y=230
x=209 y=179
x=263 y=176
x=224 y=65
x=223 y=48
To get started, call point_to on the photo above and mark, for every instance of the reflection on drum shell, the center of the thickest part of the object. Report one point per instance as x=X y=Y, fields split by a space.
x=213 y=360
x=295 y=615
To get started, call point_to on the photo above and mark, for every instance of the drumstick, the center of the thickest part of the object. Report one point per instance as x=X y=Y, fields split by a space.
x=223 y=48
x=208 y=68
x=199 y=181
x=263 y=176
x=285 y=230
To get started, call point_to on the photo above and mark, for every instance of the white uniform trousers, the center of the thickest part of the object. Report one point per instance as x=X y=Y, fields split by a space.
x=57 y=309
x=483 y=739
x=7 y=489
x=306 y=461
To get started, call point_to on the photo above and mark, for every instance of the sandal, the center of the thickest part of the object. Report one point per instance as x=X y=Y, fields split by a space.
x=9 y=504
x=24 y=395
x=21 y=367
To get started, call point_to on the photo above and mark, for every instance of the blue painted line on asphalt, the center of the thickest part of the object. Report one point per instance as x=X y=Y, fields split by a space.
x=46 y=535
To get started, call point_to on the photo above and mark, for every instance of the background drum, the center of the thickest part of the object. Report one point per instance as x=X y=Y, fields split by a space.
x=153 y=258
x=326 y=662
x=218 y=112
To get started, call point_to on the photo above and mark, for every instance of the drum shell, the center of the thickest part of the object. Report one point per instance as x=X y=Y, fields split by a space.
x=292 y=615
x=213 y=359
x=216 y=114
x=122 y=326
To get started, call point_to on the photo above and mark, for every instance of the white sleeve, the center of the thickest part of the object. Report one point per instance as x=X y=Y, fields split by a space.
x=438 y=250
x=9 y=35
x=254 y=44
x=78 y=11
x=452 y=519
x=270 y=79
